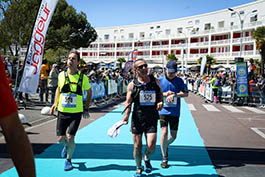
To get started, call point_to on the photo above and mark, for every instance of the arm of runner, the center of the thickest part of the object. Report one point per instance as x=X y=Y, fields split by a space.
x=184 y=91
x=85 y=114
x=128 y=102
x=18 y=145
x=88 y=99
x=160 y=101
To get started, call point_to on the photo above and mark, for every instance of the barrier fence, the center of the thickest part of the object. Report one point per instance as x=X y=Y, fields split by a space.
x=226 y=93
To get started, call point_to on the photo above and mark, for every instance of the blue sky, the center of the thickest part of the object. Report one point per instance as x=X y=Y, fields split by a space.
x=105 y=13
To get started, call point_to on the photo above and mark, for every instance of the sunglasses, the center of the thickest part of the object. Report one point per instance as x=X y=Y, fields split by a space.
x=142 y=66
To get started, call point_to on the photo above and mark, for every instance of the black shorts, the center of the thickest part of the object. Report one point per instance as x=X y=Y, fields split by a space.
x=67 y=120
x=146 y=124
x=173 y=122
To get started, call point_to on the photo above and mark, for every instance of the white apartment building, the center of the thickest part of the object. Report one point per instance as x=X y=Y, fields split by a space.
x=219 y=34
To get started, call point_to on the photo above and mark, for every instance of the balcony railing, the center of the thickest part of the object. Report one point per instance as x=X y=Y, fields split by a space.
x=226 y=41
x=225 y=54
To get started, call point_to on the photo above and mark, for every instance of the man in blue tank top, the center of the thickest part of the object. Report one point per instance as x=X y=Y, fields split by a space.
x=173 y=89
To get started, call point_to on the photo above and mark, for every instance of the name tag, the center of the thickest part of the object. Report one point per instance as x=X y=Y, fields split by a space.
x=170 y=104
x=69 y=100
x=147 y=98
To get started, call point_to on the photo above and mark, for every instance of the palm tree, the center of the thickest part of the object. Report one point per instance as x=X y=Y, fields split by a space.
x=121 y=60
x=209 y=62
x=259 y=36
x=172 y=57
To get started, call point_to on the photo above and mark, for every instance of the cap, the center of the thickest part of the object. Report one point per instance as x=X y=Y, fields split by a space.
x=171 y=66
x=54 y=65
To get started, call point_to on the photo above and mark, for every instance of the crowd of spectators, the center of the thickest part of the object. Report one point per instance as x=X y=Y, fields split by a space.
x=96 y=73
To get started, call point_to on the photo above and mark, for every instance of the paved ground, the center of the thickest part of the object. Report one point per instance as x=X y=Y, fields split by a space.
x=233 y=137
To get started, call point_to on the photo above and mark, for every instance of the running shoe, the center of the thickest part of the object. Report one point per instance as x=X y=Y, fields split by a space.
x=164 y=164
x=68 y=165
x=64 y=152
x=138 y=172
x=148 y=166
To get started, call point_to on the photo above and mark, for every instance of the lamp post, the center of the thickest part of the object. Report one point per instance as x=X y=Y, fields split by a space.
x=182 y=54
x=241 y=26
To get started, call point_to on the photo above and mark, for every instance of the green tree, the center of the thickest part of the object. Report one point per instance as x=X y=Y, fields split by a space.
x=259 y=36
x=209 y=62
x=16 y=29
x=69 y=29
x=172 y=57
x=121 y=60
x=57 y=55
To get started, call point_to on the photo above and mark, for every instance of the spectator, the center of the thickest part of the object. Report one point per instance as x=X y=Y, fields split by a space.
x=44 y=74
x=9 y=66
x=53 y=81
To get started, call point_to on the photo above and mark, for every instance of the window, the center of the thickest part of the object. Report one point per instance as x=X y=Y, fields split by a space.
x=190 y=22
x=168 y=31
x=157 y=27
x=207 y=26
x=232 y=24
x=254 y=18
x=142 y=34
x=106 y=36
x=131 y=35
x=151 y=27
x=221 y=24
x=197 y=22
x=241 y=12
x=179 y=30
x=233 y=14
x=121 y=30
x=115 y=31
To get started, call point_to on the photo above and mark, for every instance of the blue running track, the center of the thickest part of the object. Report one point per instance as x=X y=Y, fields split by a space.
x=98 y=155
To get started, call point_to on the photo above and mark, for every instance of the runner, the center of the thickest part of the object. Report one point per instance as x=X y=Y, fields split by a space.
x=71 y=84
x=146 y=94
x=173 y=88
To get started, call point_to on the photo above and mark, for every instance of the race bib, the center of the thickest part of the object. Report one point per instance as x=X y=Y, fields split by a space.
x=69 y=100
x=147 y=98
x=171 y=104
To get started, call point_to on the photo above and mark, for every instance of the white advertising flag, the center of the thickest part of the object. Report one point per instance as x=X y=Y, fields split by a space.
x=30 y=79
x=203 y=63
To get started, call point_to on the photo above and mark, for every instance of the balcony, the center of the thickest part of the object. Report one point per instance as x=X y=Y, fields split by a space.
x=220 y=42
x=195 y=44
x=225 y=54
x=124 y=48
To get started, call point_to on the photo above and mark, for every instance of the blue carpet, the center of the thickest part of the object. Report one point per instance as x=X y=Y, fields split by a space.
x=98 y=155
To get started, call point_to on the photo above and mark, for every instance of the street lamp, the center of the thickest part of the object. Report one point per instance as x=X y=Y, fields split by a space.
x=241 y=26
x=182 y=55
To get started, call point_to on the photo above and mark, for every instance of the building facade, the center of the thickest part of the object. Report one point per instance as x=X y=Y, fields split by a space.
x=223 y=34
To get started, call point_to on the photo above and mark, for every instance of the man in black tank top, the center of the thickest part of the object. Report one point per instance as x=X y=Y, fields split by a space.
x=145 y=92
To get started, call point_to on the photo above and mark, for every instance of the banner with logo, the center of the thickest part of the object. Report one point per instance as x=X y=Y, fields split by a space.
x=30 y=78
x=242 y=80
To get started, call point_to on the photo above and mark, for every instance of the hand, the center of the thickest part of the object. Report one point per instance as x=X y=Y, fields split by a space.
x=125 y=119
x=159 y=106
x=52 y=109
x=85 y=114
x=170 y=98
